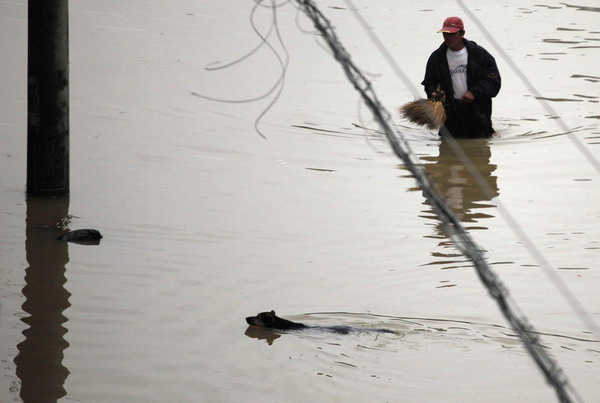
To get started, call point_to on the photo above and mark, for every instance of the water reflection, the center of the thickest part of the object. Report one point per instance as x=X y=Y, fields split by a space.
x=262 y=334
x=39 y=362
x=461 y=190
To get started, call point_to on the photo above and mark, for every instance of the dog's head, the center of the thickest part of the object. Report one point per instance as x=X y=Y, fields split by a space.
x=263 y=319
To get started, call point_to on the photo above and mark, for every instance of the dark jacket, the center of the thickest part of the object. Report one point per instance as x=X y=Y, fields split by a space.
x=483 y=80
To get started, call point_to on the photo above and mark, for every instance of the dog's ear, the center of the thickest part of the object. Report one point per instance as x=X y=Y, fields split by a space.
x=273 y=312
x=268 y=319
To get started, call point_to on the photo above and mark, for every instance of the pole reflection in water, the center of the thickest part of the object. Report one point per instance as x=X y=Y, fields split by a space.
x=39 y=361
x=459 y=187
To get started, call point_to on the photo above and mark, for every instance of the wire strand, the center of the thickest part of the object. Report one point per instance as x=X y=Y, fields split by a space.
x=586 y=319
x=450 y=222
x=531 y=88
x=279 y=84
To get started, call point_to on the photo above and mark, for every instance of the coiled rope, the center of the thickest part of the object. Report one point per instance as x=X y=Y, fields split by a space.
x=463 y=241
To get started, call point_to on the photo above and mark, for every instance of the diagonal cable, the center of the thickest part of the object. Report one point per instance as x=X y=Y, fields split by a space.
x=531 y=88
x=505 y=214
x=450 y=222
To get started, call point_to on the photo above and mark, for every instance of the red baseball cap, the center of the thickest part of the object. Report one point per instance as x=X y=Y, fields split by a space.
x=452 y=25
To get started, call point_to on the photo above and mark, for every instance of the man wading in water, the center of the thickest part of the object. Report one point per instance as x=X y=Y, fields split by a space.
x=467 y=75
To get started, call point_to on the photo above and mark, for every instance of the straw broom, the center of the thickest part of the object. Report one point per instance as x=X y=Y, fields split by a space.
x=425 y=112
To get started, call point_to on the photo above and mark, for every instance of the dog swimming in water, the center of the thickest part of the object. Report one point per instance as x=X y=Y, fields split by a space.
x=272 y=321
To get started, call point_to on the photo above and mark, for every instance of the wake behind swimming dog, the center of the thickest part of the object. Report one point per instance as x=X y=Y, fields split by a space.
x=272 y=321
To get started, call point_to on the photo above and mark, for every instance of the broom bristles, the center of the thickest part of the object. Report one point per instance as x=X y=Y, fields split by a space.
x=424 y=112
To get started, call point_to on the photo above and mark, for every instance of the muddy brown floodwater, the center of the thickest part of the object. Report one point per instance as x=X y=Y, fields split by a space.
x=205 y=222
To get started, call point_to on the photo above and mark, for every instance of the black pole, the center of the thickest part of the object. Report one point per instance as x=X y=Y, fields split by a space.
x=48 y=98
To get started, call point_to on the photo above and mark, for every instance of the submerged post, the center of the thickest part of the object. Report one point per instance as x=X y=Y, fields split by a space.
x=48 y=98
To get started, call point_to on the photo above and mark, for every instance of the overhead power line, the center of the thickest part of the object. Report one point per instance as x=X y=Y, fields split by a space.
x=531 y=88
x=452 y=226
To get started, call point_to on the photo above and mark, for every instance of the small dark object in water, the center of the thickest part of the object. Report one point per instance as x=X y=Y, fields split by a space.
x=82 y=236
x=272 y=321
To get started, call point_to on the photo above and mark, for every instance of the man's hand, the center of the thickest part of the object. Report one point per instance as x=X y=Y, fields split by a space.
x=468 y=98
x=438 y=96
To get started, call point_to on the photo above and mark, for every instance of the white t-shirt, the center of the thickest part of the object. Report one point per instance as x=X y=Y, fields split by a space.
x=457 y=61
